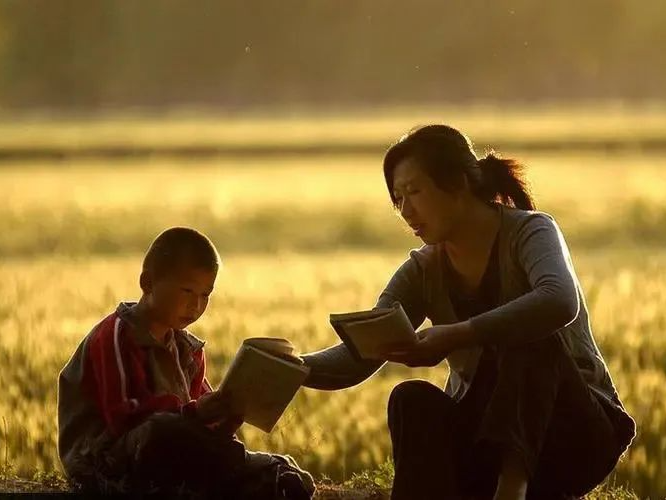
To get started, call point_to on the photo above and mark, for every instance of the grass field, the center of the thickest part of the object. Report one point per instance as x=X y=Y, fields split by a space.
x=301 y=238
x=307 y=204
x=603 y=120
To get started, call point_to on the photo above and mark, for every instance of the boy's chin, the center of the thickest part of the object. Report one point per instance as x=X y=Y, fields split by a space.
x=183 y=323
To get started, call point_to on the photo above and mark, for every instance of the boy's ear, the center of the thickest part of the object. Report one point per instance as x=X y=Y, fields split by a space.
x=146 y=282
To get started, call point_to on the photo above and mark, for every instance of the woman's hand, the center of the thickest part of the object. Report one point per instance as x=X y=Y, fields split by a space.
x=433 y=345
x=214 y=407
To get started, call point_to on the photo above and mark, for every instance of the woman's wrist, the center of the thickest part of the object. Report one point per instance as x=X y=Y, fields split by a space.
x=461 y=335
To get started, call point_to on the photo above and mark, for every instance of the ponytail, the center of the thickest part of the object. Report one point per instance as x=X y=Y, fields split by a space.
x=501 y=180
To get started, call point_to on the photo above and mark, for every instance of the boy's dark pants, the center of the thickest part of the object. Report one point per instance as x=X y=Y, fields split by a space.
x=168 y=453
x=529 y=398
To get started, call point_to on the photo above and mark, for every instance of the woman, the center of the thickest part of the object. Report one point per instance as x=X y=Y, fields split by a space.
x=529 y=409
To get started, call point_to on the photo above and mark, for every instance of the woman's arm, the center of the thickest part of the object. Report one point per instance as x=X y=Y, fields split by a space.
x=553 y=301
x=335 y=368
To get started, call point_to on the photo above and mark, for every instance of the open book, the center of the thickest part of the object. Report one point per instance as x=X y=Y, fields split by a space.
x=367 y=333
x=263 y=379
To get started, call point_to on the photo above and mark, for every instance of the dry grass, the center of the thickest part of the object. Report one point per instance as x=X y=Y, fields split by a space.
x=484 y=123
x=58 y=280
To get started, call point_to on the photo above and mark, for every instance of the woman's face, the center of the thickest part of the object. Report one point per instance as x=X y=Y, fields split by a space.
x=432 y=213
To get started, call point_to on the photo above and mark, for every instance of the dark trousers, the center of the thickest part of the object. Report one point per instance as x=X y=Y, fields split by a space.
x=169 y=454
x=530 y=399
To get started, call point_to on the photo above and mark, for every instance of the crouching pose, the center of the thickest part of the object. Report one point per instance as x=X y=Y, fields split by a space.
x=529 y=409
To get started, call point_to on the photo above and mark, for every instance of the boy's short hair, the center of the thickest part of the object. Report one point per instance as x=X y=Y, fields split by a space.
x=177 y=246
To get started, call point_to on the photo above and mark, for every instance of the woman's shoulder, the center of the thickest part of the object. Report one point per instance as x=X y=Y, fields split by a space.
x=519 y=214
x=424 y=256
x=419 y=263
x=514 y=219
x=523 y=229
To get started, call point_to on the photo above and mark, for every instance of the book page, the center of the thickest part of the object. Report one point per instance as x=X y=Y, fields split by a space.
x=361 y=315
x=260 y=386
x=369 y=336
x=280 y=347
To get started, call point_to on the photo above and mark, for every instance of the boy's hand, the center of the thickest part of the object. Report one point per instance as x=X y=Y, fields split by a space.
x=215 y=407
x=229 y=426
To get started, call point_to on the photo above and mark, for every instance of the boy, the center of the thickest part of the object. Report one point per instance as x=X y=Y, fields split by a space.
x=135 y=410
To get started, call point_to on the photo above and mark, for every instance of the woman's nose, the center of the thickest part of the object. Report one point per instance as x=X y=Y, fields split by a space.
x=405 y=208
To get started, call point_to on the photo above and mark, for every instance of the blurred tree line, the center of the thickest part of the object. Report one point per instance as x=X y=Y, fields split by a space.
x=235 y=54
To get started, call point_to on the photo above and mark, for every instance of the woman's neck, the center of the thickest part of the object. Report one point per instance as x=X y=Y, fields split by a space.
x=475 y=235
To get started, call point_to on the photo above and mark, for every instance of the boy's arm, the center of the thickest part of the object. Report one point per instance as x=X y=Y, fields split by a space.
x=119 y=383
x=198 y=387
x=213 y=409
x=200 y=384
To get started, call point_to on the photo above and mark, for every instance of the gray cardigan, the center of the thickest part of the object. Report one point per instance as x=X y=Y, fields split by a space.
x=540 y=295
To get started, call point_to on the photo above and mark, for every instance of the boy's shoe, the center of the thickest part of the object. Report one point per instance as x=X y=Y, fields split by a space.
x=290 y=482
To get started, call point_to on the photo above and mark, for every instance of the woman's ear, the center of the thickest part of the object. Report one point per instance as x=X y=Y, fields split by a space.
x=146 y=282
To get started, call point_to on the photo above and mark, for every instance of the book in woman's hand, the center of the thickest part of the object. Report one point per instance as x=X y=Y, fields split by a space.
x=262 y=380
x=370 y=334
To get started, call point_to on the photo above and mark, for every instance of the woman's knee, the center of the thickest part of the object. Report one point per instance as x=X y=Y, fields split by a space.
x=414 y=397
x=412 y=390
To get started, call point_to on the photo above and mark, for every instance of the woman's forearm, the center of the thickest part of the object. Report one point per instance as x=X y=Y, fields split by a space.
x=462 y=335
x=334 y=368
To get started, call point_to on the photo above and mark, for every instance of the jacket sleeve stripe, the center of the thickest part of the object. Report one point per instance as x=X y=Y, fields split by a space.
x=119 y=360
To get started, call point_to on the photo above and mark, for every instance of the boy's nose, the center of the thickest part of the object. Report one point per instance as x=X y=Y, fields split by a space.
x=195 y=306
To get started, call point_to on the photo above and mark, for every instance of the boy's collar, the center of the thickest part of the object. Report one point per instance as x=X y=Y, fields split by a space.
x=142 y=336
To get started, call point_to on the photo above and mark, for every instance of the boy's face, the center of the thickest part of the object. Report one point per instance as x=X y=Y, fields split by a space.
x=179 y=298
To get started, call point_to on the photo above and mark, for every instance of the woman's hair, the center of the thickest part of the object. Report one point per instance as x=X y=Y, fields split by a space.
x=448 y=157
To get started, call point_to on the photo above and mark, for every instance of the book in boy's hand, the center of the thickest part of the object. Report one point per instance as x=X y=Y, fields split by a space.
x=262 y=380
x=369 y=334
